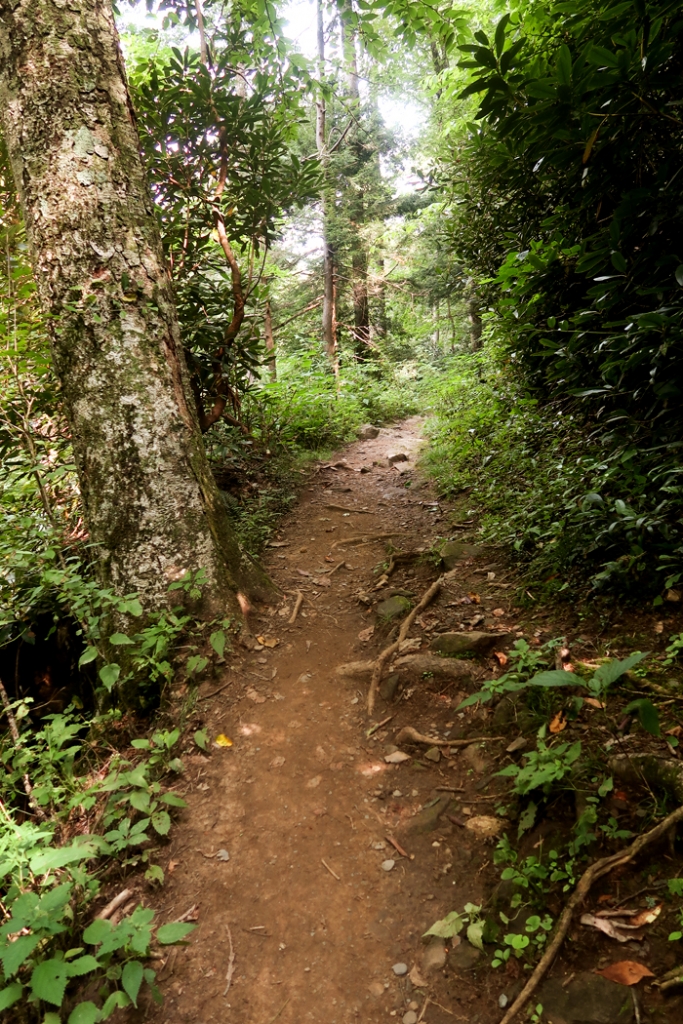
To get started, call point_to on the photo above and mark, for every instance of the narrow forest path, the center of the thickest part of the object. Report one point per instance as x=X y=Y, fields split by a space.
x=304 y=803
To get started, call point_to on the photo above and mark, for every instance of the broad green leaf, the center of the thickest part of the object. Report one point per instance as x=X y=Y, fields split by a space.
x=609 y=673
x=173 y=800
x=120 y=640
x=679 y=274
x=59 y=857
x=475 y=932
x=84 y=1013
x=217 y=641
x=14 y=954
x=117 y=1000
x=89 y=654
x=97 y=932
x=131 y=979
x=450 y=925
x=48 y=981
x=10 y=994
x=109 y=675
x=556 y=677
x=648 y=716
x=83 y=965
x=167 y=934
x=161 y=822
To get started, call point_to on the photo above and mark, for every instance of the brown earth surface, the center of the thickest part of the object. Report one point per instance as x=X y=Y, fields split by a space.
x=339 y=861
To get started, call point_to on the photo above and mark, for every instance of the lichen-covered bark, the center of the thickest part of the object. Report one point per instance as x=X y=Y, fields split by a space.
x=150 y=501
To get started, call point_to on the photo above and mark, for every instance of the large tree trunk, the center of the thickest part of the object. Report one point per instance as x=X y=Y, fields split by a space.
x=329 y=317
x=150 y=501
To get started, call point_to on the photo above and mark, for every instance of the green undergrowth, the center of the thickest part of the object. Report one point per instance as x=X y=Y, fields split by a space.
x=98 y=808
x=564 y=802
x=574 y=507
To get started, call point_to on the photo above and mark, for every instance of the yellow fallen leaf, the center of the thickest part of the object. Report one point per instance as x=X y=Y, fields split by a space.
x=268 y=641
x=222 y=741
x=558 y=723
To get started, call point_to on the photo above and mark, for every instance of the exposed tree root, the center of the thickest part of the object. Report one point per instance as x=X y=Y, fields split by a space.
x=410 y=735
x=366 y=538
x=595 y=871
x=389 y=651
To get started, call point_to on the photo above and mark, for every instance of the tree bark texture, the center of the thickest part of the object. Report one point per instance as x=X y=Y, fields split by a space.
x=150 y=501
x=329 y=316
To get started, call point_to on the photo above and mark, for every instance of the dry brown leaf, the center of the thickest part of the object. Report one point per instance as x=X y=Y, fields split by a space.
x=626 y=972
x=594 y=703
x=485 y=826
x=255 y=696
x=277 y=762
x=646 y=916
x=172 y=865
x=676 y=731
x=397 y=757
x=558 y=723
x=416 y=978
x=659 y=627
x=501 y=658
x=474 y=598
x=498 y=612
x=615 y=928
x=365 y=634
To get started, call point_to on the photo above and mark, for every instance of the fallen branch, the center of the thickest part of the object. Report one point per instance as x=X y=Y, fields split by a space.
x=114 y=904
x=366 y=538
x=374 y=728
x=28 y=788
x=597 y=870
x=189 y=915
x=389 y=651
x=231 y=962
x=299 y=601
x=410 y=735
x=397 y=846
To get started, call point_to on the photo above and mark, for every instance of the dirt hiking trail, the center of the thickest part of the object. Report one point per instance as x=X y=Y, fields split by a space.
x=285 y=849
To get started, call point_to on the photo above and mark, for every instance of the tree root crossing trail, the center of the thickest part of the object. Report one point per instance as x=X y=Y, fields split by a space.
x=315 y=863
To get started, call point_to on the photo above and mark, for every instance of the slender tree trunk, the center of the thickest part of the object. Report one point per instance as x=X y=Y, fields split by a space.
x=150 y=502
x=329 y=319
x=270 y=341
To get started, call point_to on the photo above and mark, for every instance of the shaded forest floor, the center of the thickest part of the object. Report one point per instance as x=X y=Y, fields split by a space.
x=311 y=864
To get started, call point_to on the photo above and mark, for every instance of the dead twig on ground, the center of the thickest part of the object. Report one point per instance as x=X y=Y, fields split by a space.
x=214 y=693
x=28 y=788
x=397 y=846
x=297 y=605
x=389 y=651
x=379 y=725
x=424 y=1007
x=346 y=508
x=188 y=915
x=231 y=962
x=114 y=904
x=333 y=873
x=366 y=538
x=273 y=1019
x=597 y=870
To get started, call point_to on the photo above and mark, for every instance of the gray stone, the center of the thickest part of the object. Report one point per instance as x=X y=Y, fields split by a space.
x=368 y=432
x=434 y=956
x=464 y=957
x=427 y=819
x=388 y=688
x=410 y=1017
x=475 y=643
x=393 y=608
x=388 y=865
x=472 y=757
x=588 y=999
x=433 y=665
x=400 y=969
x=397 y=457
x=454 y=551
x=433 y=754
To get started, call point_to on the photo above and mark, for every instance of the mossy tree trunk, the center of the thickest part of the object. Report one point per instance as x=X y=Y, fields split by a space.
x=150 y=501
